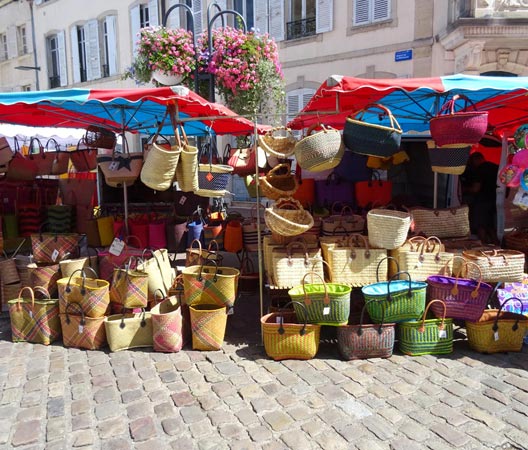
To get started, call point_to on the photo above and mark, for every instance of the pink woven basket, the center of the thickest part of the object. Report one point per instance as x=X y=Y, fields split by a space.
x=461 y=127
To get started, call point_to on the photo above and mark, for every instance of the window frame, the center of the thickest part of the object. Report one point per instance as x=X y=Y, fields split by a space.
x=22 y=43
x=53 y=58
x=371 y=8
x=4 y=48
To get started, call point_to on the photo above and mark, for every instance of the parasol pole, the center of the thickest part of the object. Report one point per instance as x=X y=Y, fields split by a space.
x=259 y=231
x=435 y=190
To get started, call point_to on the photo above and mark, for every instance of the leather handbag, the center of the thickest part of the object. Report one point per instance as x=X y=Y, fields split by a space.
x=21 y=167
x=60 y=158
x=374 y=192
x=84 y=157
x=243 y=160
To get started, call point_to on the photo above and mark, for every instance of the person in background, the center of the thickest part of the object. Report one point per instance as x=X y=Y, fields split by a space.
x=479 y=184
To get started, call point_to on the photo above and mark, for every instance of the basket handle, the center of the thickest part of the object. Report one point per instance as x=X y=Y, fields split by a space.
x=289 y=201
x=425 y=245
x=381 y=304
x=199 y=245
x=449 y=106
x=302 y=332
x=273 y=171
x=394 y=277
x=32 y=298
x=205 y=261
x=515 y=326
x=210 y=246
x=386 y=112
x=287 y=131
x=383 y=259
x=80 y=312
x=441 y=326
x=307 y=300
x=458 y=275
x=68 y=285
x=354 y=238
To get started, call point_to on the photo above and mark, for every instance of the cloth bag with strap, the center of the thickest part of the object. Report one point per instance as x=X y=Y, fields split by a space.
x=129 y=287
x=121 y=168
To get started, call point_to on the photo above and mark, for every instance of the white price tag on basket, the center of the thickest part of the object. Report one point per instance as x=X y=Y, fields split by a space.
x=496 y=335
x=114 y=165
x=81 y=329
x=183 y=199
x=55 y=255
x=442 y=334
x=326 y=310
x=117 y=247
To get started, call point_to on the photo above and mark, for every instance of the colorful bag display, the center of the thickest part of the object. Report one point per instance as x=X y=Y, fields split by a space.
x=496 y=265
x=233 y=236
x=129 y=330
x=442 y=223
x=121 y=168
x=129 y=287
x=84 y=157
x=243 y=160
x=21 y=167
x=79 y=331
x=160 y=273
x=53 y=247
x=196 y=255
x=387 y=228
x=321 y=150
x=44 y=276
x=287 y=336
x=34 y=320
x=167 y=324
x=291 y=263
x=60 y=158
x=91 y=294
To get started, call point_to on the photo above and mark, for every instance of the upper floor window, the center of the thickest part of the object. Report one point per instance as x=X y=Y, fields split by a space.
x=4 y=53
x=144 y=18
x=56 y=60
x=81 y=48
x=141 y=16
x=109 y=46
x=245 y=9
x=22 y=40
x=371 y=11
x=302 y=19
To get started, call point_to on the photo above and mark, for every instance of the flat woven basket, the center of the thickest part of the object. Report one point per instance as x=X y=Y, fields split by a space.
x=275 y=185
x=387 y=228
x=288 y=218
x=441 y=222
x=287 y=336
x=322 y=150
x=497 y=331
x=278 y=141
x=366 y=340
x=462 y=127
x=496 y=265
x=426 y=336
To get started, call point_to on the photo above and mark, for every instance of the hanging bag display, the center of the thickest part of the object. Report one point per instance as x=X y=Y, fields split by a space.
x=90 y=293
x=353 y=167
x=288 y=336
x=212 y=178
x=60 y=158
x=427 y=336
x=187 y=169
x=334 y=189
x=42 y=159
x=84 y=157
x=498 y=331
x=79 y=331
x=100 y=137
x=287 y=217
x=451 y=160
x=21 y=167
x=321 y=150
x=242 y=159
x=121 y=168
x=34 y=320
x=278 y=142
x=159 y=167
x=399 y=300
x=278 y=182
x=461 y=127
x=371 y=138
x=443 y=223
x=365 y=341
x=374 y=192
x=6 y=154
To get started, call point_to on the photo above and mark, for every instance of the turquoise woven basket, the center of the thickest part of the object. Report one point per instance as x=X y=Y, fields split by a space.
x=427 y=336
x=402 y=299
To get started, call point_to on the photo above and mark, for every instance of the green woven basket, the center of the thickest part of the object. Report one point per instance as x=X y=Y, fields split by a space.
x=427 y=336
x=402 y=299
x=326 y=303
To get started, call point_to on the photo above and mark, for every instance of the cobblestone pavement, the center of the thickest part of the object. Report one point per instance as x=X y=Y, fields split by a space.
x=57 y=398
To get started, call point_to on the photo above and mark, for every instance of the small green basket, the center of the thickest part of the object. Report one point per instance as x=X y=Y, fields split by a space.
x=326 y=303
x=401 y=299
x=427 y=336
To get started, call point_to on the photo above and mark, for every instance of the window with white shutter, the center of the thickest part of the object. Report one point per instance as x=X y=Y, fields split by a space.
x=261 y=16
x=76 y=66
x=63 y=74
x=276 y=19
x=173 y=18
x=22 y=43
x=12 y=42
x=135 y=25
x=109 y=46
x=93 y=58
x=197 y=15
x=371 y=11
x=296 y=100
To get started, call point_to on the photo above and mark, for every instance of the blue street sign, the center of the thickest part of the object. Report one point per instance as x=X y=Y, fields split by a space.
x=403 y=55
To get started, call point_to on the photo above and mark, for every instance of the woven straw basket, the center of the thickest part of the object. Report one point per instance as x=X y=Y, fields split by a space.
x=387 y=228
x=496 y=265
x=319 y=151
x=288 y=218
x=275 y=185
x=441 y=222
x=208 y=325
x=449 y=160
x=278 y=141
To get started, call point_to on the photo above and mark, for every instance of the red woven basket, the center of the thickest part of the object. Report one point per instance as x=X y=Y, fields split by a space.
x=461 y=127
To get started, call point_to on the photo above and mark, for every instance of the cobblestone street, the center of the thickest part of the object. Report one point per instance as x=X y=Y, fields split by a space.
x=237 y=398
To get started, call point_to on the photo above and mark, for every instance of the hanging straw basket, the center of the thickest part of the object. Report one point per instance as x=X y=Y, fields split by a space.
x=370 y=138
x=99 y=137
x=275 y=184
x=278 y=141
x=450 y=160
x=387 y=228
x=213 y=179
x=288 y=218
x=497 y=331
x=461 y=127
x=319 y=151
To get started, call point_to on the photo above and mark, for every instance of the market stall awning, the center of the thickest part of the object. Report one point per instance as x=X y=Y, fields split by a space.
x=133 y=110
x=414 y=101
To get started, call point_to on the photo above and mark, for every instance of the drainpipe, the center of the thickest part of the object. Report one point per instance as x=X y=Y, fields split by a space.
x=34 y=43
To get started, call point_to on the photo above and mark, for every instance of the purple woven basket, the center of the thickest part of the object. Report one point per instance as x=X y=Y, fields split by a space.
x=465 y=299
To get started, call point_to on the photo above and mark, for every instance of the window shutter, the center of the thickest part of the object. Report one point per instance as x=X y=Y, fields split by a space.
x=63 y=74
x=361 y=11
x=276 y=23
x=197 y=15
x=293 y=106
x=306 y=97
x=324 y=13
x=134 y=26
x=153 y=13
x=261 y=16
x=381 y=10
x=93 y=63
x=112 y=44
x=173 y=19
x=75 y=55
x=12 y=42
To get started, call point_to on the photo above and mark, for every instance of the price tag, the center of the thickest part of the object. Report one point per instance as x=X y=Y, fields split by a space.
x=81 y=329
x=277 y=319
x=183 y=199
x=230 y=310
x=114 y=165
x=117 y=247
x=55 y=255
x=442 y=334
x=496 y=335
x=31 y=313
x=326 y=310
